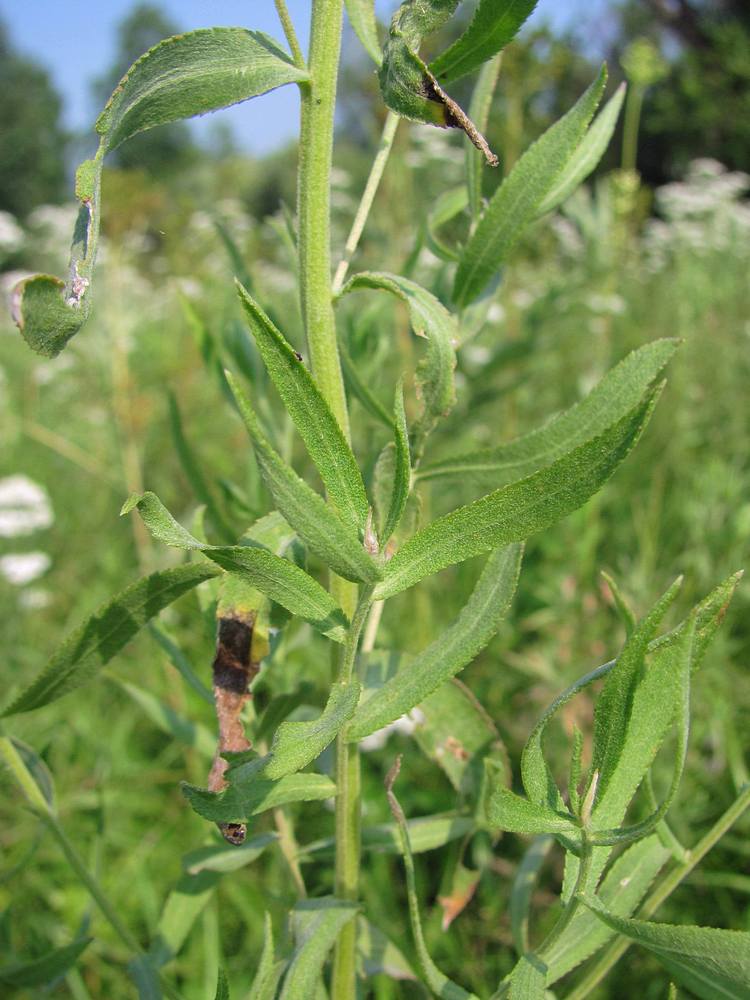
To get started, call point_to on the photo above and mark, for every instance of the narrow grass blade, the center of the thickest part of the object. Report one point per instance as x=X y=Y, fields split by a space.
x=429 y=319
x=524 y=884
x=495 y=23
x=519 y=510
x=708 y=961
x=586 y=157
x=611 y=399
x=52 y=965
x=312 y=417
x=169 y=721
x=280 y=579
x=315 y=522
x=106 y=632
x=316 y=924
x=517 y=199
x=477 y=622
x=439 y=983
x=362 y=19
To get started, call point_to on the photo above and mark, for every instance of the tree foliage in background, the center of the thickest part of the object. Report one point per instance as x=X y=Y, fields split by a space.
x=32 y=151
x=703 y=107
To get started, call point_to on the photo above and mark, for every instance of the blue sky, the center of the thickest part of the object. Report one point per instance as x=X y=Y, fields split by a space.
x=75 y=41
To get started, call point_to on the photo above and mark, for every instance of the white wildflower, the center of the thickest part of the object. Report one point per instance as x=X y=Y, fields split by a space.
x=24 y=507
x=20 y=568
x=406 y=725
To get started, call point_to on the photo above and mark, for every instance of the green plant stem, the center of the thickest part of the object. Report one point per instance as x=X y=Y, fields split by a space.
x=663 y=890
x=584 y=867
x=313 y=203
x=630 y=127
x=43 y=811
x=318 y=103
x=368 y=197
x=348 y=819
x=291 y=35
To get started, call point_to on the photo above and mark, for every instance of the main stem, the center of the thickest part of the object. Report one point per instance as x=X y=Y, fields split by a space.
x=313 y=209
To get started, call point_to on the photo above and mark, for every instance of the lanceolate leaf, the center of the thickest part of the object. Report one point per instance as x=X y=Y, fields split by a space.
x=516 y=511
x=527 y=981
x=610 y=400
x=708 y=961
x=511 y=812
x=248 y=794
x=45 y=969
x=314 y=521
x=296 y=744
x=401 y=469
x=362 y=17
x=458 y=645
x=264 y=983
x=495 y=23
x=587 y=156
x=621 y=891
x=316 y=924
x=431 y=320
x=182 y=76
x=280 y=579
x=312 y=417
x=616 y=704
x=104 y=634
x=517 y=199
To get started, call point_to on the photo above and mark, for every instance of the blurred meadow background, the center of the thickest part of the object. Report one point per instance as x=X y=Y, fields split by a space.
x=656 y=244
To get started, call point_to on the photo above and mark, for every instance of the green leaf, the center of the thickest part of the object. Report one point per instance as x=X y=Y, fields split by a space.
x=316 y=924
x=401 y=469
x=312 y=417
x=191 y=466
x=516 y=511
x=42 y=970
x=517 y=199
x=268 y=972
x=222 y=986
x=377 y=953
x=106 y=632
x=528 y=979
x=709 y=962
x=184 y=905
x=495 y=23
x=226 y=857
x=362 y=18
x=426 y=833
x=429 y=319
x=587 y=156
x=524 y=884
x=475 y=625
x=316 y=524
x=280 y=579
x=621 y=891
x=611 y=399
x=169 y=721
x=180 y=77
x=511 y=812
x=439 y=983
x=617 y=704
x=249 y=794
x=454 y=730
x=180 y=662
x=357 y=387
x=296 y=744
x=448 y=205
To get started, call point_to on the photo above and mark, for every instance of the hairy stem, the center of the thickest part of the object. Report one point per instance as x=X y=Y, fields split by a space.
x=318 y=98
x=663 y=890
x=368 y=197
x=291 y=35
